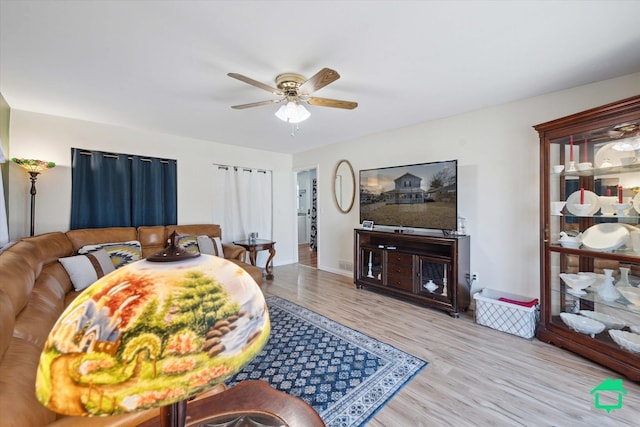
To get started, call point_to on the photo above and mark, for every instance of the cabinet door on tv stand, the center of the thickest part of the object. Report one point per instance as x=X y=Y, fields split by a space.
x=371 y=267
x=434 y=277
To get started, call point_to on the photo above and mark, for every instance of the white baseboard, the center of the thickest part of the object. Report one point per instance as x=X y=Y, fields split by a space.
x=339 y=271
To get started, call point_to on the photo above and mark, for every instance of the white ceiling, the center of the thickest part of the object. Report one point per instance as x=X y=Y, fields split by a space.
x=162 y=65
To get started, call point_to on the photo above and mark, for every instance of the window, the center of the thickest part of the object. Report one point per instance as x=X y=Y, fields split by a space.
x=121 y=190
x=244 y=203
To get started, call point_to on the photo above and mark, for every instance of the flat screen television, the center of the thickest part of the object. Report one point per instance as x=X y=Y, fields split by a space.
x=423 y=195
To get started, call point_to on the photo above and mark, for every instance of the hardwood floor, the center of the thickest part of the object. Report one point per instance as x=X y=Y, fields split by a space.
x=476 y=376
x=307 y=257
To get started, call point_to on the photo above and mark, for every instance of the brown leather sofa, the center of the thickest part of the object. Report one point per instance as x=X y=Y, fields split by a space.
x=34 y=290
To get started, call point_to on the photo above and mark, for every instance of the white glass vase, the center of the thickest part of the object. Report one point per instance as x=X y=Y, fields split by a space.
x=607 y=291
x=624 y=277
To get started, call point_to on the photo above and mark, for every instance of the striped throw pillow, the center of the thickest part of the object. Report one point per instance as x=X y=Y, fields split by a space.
x=83 y=270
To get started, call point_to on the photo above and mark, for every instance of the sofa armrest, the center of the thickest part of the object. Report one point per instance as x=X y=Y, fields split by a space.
x=234 y=252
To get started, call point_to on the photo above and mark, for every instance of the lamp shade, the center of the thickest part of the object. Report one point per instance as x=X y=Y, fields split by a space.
x=292 y=112
x=33 y=165
x=151 y=334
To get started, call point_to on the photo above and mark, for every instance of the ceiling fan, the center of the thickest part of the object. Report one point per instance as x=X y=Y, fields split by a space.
x=295 y=89
x=625 y=136
x=619 y=131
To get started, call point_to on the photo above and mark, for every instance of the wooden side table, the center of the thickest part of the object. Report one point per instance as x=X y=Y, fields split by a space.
x=254 y=246
x=250 y=403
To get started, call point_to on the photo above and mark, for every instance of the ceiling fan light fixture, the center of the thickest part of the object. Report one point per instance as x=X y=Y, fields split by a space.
x=292 y=112
x=282 y=113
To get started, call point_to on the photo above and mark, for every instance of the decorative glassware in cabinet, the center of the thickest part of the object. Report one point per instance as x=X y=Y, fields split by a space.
x=590 y=234
x=594 y=302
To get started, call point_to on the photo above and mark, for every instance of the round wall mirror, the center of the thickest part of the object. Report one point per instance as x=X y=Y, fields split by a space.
x=344 y=186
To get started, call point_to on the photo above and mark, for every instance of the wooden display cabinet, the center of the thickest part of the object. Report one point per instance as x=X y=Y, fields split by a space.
x=600 y=152
x=417 y=266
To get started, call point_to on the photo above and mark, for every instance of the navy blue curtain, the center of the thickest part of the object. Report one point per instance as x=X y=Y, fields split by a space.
x=153 y=189
x=117 y=190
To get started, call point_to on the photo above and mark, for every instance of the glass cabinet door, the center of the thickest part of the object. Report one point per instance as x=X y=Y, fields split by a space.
x=434 y=277
x=593 y=236
x=371 y=268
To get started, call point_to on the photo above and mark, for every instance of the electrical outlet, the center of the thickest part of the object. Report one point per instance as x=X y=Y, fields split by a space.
x=475 y=277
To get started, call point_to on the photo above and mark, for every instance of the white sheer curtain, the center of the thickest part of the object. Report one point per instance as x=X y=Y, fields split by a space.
x=4 y=230
x=242 y=203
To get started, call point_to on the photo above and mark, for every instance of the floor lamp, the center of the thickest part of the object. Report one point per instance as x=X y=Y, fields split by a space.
x=34 y=167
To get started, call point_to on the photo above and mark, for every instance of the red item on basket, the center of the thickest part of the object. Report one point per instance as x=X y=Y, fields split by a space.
x=522 y=303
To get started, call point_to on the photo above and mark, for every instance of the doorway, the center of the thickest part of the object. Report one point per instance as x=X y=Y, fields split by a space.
x=307 y=210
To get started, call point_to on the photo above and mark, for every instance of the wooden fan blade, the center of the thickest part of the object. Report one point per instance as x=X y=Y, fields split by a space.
x=335 y=103
x=255 y=104
x=255 y=83
x=318 y=81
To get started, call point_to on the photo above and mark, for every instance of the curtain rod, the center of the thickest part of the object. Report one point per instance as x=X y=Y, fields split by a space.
x=245 y=168
x=115 y=156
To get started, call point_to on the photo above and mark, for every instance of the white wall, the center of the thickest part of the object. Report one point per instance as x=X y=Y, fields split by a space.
x=498 y=182
x=51 y=138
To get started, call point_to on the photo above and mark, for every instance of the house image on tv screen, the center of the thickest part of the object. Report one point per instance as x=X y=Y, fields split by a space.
x=407 y=191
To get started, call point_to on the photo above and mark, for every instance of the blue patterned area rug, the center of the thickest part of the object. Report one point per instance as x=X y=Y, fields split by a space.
x=345 y=375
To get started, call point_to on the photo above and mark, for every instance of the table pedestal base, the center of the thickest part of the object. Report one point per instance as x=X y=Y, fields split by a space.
x=254 y=246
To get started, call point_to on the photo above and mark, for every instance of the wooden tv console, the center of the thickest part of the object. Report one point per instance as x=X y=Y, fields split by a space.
x=418 y=266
